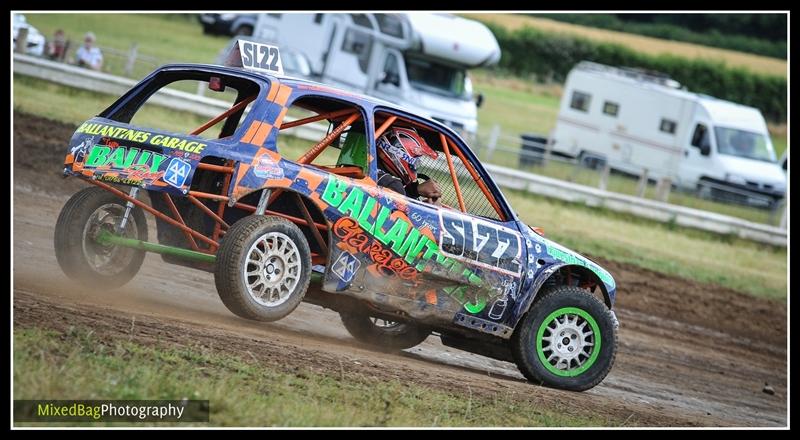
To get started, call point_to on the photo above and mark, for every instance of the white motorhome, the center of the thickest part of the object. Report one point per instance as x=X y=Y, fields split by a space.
x=416 y=60
x=637 y=121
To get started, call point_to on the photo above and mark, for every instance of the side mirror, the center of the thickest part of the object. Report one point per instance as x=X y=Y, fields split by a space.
x=479 y=100
x=705 y=148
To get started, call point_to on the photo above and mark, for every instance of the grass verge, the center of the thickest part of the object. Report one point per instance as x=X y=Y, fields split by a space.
x=78 y=365
x=741 y=265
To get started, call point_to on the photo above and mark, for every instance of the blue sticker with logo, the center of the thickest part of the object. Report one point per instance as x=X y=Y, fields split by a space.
x=177 y=172
x=346 y=267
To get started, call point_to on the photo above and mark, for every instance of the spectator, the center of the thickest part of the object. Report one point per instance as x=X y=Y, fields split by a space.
x=89 y=55
x=58 y=46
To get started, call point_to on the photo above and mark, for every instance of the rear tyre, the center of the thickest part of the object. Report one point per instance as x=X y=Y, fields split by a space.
x=386 y=335
x=263 y=268
x=82 y=258
x=567 y=340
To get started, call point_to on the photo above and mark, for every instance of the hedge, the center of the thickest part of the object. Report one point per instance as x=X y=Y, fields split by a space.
x=550 y=57
x=695 y=28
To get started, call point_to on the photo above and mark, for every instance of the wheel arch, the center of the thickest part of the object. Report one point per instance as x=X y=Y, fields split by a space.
x=283 y=205
x=564 y=274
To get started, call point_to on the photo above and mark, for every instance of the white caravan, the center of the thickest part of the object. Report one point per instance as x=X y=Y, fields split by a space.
x=416 y=60
x=636 y=121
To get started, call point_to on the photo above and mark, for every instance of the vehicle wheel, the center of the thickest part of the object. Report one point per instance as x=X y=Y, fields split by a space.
x=704 y=189
x=591 y=161
x=244 y=30
x=566 y=340
x=383 y=334
x=263 y=268
x=81 y=257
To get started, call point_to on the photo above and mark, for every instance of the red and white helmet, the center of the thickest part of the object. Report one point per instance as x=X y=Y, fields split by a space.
x=400 y=149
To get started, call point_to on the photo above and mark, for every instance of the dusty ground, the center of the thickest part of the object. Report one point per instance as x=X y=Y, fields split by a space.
x=689 y=353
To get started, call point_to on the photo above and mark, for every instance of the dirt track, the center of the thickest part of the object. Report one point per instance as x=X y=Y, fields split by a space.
x=690 y=353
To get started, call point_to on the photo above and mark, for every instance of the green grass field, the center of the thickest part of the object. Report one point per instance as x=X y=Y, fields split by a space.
x=640 y=43
x=760 y=270
x=166 y=37
x=245 y=393
x=741 y=265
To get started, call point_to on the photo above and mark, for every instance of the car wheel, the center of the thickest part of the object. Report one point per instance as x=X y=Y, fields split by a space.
x=81 y=255
x=567 y=340
x=263 y=268
x=388 y=335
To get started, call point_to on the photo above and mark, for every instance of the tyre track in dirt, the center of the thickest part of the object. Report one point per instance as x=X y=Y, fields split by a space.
x=689 y=354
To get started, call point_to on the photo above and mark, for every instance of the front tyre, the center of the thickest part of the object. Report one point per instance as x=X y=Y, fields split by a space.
x=567 y=340
x=86 y=215
x=263 y=268
x=383 y=334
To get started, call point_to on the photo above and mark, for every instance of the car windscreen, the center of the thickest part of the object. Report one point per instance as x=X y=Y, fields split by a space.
x=427 y=75
x=742 y=143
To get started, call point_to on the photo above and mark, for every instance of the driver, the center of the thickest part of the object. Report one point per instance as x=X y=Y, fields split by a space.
x=399 y=151
x=742 y=144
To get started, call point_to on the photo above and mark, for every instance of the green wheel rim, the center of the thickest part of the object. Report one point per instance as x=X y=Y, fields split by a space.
x=593 y=338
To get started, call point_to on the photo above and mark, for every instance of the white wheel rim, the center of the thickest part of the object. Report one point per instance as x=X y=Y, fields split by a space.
x=272 y=269
x=569 y=340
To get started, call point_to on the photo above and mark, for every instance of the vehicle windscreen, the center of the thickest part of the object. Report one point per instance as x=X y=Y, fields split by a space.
x=747 y=144
x=427 y=75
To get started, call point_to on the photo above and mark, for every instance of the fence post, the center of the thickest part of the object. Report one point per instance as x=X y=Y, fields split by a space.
x=663 y=189
x=548 y=148
x=492 y=144
x=781 y=207
x=131 y=60
x=642 y=184
x=604 y=177
x=22 y=40
x=783 y=217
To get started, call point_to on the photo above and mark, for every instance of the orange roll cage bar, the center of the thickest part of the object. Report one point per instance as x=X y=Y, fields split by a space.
x=220 y=226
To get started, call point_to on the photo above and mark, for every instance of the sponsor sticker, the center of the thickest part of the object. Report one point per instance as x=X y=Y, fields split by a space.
x=346 y=267
x=177 y=172
x=266 y=168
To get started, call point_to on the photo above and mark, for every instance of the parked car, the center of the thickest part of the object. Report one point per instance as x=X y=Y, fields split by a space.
x=228 y=24
x=278 y=226
x=35 y=40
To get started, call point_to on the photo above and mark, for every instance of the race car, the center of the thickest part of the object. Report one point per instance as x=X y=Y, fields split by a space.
x=278 y=223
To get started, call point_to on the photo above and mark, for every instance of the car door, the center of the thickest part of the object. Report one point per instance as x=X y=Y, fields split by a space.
x=390 y=82
x=436 y=262
x=695 y=163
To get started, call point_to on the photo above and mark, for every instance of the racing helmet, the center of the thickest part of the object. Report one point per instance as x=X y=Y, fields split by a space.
x=400 y=149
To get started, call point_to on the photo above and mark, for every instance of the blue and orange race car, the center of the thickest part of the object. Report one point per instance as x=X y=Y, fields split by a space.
x=279 y=224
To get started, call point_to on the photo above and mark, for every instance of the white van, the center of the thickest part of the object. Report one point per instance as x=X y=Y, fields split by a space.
x=637 y=121
x=415 y=60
